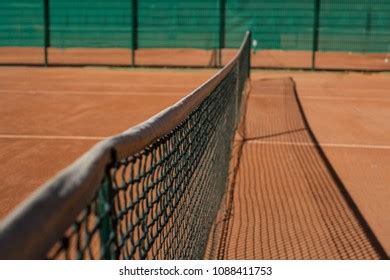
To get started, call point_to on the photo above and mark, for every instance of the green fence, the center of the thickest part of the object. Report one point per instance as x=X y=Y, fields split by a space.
x=21 y=23
x=361 y=26
x=356 y=26
x=276 y=24
x=90 y=23
x=183 y=24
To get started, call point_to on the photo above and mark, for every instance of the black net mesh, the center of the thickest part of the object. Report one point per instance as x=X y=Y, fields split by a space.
x=161 y=202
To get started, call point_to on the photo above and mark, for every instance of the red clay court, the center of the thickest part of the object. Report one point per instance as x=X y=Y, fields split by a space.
x=51 y=116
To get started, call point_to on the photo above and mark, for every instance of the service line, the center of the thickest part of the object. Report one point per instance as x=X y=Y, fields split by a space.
x=331 y=145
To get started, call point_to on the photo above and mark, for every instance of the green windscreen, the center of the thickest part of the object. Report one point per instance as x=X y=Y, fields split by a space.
x=21 y=23
x=178 y=24
x=344 y=25
x=275 y=24
x=91 y=23
x=356 y=26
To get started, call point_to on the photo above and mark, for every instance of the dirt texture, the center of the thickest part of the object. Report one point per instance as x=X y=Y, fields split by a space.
x=49 y=117
x=285 y=203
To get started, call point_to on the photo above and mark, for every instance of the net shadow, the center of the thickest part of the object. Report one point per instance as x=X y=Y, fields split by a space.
x=286 y=201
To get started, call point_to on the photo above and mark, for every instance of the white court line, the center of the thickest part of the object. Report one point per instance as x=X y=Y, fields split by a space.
x=114 y=93
x=51 y=137
x=346 y=98
x=322 y=97
x=86 y=84
x=331 y=145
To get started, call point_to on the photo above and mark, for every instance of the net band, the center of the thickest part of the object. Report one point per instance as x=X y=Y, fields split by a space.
x=128 y=196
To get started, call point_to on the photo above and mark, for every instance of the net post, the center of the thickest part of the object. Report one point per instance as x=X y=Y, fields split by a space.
x=134 y=30
x=107 y=229
x=222 y=16
x=46 y=29
x=316 y=22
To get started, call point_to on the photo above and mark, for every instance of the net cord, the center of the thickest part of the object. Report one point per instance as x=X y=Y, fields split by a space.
x=38 y=222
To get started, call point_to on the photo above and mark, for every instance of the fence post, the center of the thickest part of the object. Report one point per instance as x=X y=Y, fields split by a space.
x=222 y=17
x=316 y=23
x=367 y=30
x=46 y=28
x=250 y=53
x=134 y=30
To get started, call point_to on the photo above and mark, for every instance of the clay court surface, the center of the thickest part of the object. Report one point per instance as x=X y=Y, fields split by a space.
x=283 y=194
x=51 y=116
x=194 y=57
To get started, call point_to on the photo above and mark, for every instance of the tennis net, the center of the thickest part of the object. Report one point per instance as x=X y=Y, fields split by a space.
x=151 y=192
